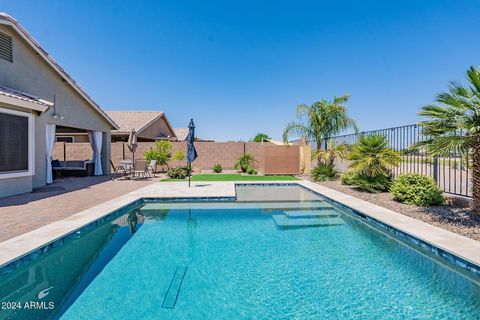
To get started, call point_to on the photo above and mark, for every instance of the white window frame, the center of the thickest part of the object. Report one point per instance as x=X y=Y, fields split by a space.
x=31 y=146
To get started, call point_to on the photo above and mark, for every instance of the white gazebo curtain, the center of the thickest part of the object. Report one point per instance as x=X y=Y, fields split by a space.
x=95 y=138
x=50 y=140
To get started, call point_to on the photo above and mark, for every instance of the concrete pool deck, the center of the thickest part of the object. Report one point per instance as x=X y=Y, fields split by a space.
x=19 y=246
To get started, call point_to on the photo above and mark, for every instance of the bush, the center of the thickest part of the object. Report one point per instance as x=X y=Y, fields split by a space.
x=217 y=168
x=245 y=162
x=251 y=170
x=162 y=152
x=178 y=173
x=417 y=189
x=379 y=183
x=348 y=178
x=324 y=172
x=179 y=156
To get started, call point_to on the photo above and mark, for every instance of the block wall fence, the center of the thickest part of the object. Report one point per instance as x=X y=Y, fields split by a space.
x=271 y=159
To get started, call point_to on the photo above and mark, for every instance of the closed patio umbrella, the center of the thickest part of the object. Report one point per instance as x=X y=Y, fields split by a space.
x=191 y=152
x=132 y=142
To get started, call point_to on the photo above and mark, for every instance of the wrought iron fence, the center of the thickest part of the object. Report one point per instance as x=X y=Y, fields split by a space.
x=452 y=172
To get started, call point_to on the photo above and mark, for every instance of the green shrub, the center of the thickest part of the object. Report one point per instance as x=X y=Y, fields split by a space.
x=324 y=172
x=348 y=178
x=379 y=183
x=179 y=156
x=178 y=173
x=162 y=152
x=251 y=170
x=244 y=162
x=217 y=168
x=417 y=189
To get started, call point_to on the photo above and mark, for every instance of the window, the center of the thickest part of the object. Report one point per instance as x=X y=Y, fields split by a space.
x=16 y=143
x=64 y=139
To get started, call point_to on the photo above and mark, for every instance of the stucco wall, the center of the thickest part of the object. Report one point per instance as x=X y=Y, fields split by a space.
x=158 y=128
x=13 y=186
x=31 y=74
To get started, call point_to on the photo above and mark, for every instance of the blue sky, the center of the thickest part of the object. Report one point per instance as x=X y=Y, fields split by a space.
x=241 y=67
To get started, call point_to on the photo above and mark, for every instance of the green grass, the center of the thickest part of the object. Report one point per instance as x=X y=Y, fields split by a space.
x=234 y=177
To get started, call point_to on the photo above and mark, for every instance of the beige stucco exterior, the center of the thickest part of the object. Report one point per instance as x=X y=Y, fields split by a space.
x=158 y=128
x=30 y=73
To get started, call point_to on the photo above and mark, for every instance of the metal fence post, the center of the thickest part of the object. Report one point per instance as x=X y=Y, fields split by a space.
x=435 y=169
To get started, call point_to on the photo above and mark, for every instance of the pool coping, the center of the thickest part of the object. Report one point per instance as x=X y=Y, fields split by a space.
x=442 y=242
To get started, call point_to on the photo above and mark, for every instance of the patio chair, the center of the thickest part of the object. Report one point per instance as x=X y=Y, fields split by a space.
x=139 y=168
x=116 y=170
x=126 y=168
x=151 y=168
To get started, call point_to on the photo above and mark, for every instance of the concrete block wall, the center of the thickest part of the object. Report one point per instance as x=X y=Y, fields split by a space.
x=209 y=153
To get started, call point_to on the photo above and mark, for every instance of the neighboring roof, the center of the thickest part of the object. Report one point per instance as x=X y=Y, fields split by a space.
x=181 y=133
x=137 y=120
x=34 y=102
x=10 y=21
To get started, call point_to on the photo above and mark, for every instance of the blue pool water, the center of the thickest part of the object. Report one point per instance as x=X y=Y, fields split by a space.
x=255 y=260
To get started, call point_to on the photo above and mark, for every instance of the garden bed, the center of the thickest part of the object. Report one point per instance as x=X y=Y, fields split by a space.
x=456 y=219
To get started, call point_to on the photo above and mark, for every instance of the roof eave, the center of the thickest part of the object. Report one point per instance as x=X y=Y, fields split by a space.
x=23 y=104
x=10 y=21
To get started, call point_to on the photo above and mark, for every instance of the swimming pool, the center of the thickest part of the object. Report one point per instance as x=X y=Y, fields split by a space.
x=275 y=252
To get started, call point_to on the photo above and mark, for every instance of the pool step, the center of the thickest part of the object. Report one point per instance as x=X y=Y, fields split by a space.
x=284 y=222
x=173 y=290
x=299 y=206
x=312 y=214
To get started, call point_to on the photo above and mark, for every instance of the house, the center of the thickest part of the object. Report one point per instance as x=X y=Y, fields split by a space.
x=181 y=133
x=38 y=99
x=149 y=125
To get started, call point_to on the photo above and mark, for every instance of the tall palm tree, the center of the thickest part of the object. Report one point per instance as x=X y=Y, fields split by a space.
x=457 y=110
x=320 y=121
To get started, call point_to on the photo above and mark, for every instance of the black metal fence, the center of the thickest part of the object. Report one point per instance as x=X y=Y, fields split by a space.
x=452 y=172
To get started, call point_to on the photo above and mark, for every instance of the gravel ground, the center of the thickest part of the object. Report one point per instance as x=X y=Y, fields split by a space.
x=452 y=218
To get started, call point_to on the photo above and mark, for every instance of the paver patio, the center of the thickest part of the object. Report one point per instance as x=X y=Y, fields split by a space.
x=23 y=213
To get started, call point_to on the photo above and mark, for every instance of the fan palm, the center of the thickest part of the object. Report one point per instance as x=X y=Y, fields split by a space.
x=245 y=162
x=371 y=156
x=320 y=121
x=457 y=110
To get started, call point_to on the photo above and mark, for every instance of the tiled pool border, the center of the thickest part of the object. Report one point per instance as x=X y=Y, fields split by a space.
x=445 y=255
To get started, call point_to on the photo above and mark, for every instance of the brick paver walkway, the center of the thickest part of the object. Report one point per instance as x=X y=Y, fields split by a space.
x=23 y=213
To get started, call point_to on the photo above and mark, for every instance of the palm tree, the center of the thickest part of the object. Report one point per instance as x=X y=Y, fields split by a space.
x=457 y=110
x=320 y=121
x=332 y=152
x=371 y=156
x=261 y=137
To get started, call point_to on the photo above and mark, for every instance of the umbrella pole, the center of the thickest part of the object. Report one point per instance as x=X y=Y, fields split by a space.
x=189 y=173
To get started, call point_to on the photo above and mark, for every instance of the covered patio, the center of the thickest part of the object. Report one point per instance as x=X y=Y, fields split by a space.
x=89 y=158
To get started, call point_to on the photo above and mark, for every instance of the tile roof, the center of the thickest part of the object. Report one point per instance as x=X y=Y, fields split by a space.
x=13 y=93
x=181 y=133
x=9 y=20
x=128 y=120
